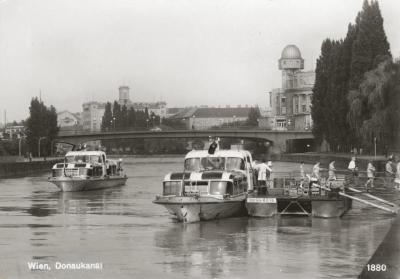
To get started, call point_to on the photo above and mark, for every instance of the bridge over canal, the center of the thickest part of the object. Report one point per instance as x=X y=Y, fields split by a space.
x=281 y=139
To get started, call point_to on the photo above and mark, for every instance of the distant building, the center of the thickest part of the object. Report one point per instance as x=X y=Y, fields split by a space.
x=291 y=104
x=158 y=108
x=173 y=111
x=203 y=118
x=92 y=114
x=14 y=131
x=68 y=119
x=124 y=96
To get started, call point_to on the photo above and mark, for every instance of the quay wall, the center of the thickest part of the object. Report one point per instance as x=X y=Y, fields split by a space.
x=13 y=169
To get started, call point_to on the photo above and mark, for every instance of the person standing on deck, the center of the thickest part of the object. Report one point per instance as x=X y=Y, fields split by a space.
x=389 y=174
x=263 y=173
x=331 y=171
x=370 y=175
x=314 y=176
x=354 y=170
x=397 y=179
x=302 y=173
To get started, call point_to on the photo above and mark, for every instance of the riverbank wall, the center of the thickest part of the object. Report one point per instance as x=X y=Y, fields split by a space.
x=15 y=169
x=385 y=262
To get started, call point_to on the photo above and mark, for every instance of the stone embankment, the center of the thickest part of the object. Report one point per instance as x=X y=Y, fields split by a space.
x=12 y=169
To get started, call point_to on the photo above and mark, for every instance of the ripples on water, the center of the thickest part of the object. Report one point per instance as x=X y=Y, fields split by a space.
x=134 y=238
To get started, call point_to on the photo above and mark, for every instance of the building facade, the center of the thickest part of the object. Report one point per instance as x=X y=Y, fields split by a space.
x=92 y=114
x=66 y=119
x=158 y=108
x=204 y=118
x=291 y=104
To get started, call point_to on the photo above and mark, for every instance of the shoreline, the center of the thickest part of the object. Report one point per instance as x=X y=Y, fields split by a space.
x=20 y=169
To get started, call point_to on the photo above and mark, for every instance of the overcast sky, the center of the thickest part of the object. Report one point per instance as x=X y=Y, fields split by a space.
x=186 y=52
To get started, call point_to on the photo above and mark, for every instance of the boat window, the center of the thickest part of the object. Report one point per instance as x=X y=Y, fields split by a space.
x=234 y=163
x=77 y=159
x=213 y=163
x=218 y=187
x=95 y=159
x=192 y=164
x=172 y=188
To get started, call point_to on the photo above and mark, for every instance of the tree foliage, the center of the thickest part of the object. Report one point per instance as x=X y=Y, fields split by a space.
x=117 y=117
x=377 y=103
x=41 y=125
x=254 y=115
x=338 y=107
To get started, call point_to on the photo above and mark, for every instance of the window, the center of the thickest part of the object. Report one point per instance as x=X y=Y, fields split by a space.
x=304 y=108
x=233 y=163
x=192 y=164
x=212 y=163
x=172 y=188
x=218 y=187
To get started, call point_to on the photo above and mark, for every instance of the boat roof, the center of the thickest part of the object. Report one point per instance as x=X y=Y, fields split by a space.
x=217 y=153
x=85 y=153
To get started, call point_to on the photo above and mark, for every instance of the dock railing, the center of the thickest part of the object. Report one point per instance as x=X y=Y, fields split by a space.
x=293 y=185
x=287 y=183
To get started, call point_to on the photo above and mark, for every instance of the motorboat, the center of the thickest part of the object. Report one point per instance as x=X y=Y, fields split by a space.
x=212 y=185
x=87 y=170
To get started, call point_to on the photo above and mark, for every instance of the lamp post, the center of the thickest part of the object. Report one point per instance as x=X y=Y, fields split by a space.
x=193 y=117
x=114 y=122
x=19 y=145
x=234 y=121
x=152 y=118
x=39 y=145
x=147 y=123
x=375 y=146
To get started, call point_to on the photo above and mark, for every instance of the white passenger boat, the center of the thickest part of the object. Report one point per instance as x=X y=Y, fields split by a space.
x=87 y=170
x=212 y=185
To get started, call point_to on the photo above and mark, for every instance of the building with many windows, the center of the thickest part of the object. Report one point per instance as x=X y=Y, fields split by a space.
x=291 y=104
x=92 y=114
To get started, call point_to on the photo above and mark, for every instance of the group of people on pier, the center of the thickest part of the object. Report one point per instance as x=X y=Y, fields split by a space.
x=391 y=174
x=391 y=177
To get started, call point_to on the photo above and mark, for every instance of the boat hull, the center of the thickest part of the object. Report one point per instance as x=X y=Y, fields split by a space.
x=75 y=184
x=192 y=209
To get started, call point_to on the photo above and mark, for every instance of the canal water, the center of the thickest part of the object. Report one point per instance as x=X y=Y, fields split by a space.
x=134 y=238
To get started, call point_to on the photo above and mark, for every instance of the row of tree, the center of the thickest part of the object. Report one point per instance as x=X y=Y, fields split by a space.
x=357 y=86
x=41 y=127
x=117 y=117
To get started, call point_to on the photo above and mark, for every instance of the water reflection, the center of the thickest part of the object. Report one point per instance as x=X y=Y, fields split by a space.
x=135 y=238
x=205 y=248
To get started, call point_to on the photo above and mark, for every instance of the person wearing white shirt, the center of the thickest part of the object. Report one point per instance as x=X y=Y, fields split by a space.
x=370 y=175
x=331 y=171
x=397 y=179
x=389 y=174
x=264 y=172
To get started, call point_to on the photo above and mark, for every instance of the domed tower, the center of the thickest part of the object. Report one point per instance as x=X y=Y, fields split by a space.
x=290 y=63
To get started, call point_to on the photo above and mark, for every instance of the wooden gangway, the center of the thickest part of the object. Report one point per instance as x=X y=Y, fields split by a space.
x=384 y=204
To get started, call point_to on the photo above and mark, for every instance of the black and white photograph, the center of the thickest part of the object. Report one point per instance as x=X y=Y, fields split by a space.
x=220 y=139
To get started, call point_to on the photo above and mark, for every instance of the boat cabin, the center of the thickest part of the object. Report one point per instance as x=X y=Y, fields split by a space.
x=86 y=164
x=222 y=174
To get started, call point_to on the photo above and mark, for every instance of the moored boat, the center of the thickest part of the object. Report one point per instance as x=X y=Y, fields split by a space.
x=213 y=185
x=87 y=170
